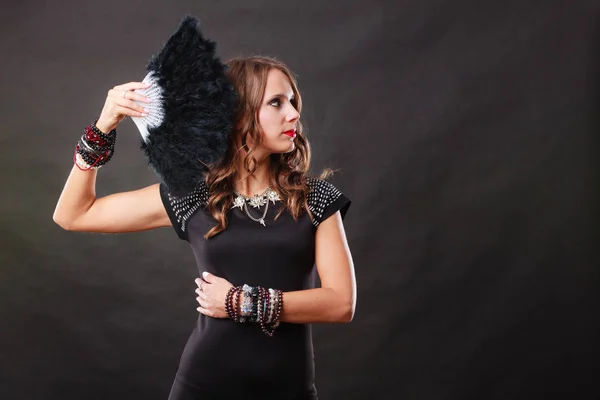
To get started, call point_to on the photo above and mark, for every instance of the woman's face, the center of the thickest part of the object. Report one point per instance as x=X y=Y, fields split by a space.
x=277 y=116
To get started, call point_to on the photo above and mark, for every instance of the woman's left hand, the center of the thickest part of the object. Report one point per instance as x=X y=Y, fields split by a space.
x=211 y=295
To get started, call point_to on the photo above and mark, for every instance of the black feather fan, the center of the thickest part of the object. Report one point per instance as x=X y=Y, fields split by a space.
x=191 y=115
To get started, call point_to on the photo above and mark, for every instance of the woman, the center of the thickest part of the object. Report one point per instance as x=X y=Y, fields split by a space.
x=256 y=220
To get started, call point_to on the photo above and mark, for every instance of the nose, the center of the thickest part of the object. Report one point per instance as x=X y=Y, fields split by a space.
x=293 y=115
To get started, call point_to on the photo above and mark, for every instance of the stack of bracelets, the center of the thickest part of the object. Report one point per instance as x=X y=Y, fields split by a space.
x=95 y=148
x=260 y=305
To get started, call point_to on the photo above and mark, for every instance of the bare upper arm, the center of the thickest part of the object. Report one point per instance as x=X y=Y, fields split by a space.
x=333 y=258
x=133 y=211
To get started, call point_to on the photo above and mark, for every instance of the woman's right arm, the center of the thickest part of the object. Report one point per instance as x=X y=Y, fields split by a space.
x=78 y=209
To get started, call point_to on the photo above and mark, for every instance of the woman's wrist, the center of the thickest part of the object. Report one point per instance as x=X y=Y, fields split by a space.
x=104 y=126
x=94 y=148
x=255 y=304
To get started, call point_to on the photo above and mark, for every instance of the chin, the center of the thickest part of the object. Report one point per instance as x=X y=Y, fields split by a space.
x=283 y=150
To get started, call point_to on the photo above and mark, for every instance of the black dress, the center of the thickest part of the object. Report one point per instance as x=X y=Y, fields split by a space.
x=223 y=359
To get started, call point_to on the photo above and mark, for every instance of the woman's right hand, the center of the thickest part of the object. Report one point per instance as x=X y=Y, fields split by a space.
x=120 y=103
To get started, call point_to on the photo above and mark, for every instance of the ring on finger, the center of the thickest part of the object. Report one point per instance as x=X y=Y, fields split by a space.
x=125 y=94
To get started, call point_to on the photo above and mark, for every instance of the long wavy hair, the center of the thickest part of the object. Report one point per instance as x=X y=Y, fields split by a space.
x=249 y=78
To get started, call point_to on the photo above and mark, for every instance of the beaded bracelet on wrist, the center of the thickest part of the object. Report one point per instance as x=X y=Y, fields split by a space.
x=94 y=148
x=98 y=140
x=265 y=304
x=93 y=131
x=92 y=160
x=247 y=304
x=254 y=313
x=279 y=308
x=268 y=328
x=236 y=314
x=265 y=298
x=272 y=305
x=81 y=164
x=229 y=302
x=261 y=300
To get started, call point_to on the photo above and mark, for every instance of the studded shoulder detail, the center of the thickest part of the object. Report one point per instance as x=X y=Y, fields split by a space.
x=322 y=194
x=182 y=208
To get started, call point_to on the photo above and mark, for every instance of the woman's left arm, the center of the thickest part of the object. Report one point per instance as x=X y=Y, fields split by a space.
x=335 y=300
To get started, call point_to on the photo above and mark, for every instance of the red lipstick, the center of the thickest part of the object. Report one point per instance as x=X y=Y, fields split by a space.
x=291 y=133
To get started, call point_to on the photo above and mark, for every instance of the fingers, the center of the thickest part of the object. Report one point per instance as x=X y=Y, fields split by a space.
x=125 y=100
x=207 y=303
x=199 y=282
x=127 y=91
x=131 y=108
x=122 y=102
x=126 y=106
x=133 y=96
x=205 y=311
x=132 y=86
x=208 y=277
x=204 y=307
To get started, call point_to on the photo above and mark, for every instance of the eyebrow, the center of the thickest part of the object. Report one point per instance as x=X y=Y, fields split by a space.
x=282 y=95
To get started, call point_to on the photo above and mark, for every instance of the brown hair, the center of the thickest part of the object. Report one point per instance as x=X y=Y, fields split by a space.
x=249 y=78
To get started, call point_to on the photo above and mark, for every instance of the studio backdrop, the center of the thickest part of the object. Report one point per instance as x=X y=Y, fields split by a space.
x=465 y=133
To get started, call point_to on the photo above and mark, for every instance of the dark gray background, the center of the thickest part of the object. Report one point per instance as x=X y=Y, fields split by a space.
x=466 y=133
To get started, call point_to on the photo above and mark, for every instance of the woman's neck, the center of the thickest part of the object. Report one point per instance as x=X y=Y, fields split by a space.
x=258 y=182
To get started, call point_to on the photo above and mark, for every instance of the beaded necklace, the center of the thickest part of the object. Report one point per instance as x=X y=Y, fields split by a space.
x=256 y=201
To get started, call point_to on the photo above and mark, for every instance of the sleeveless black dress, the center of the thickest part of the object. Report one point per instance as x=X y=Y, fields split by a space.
x=223 y=359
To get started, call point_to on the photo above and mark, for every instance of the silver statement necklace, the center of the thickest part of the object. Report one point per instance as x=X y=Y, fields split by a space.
x=256 y=201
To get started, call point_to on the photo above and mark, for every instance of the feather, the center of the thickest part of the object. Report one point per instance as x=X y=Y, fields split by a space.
x=188 y=128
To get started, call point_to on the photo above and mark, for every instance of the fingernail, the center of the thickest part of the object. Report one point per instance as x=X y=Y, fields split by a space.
x=144 y=114
x=204 y=274
x=146 y=110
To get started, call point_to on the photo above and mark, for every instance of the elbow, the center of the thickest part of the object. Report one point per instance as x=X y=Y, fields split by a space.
x=62 y=224
x=346 y=314
x=65 y=223
x=341 y=307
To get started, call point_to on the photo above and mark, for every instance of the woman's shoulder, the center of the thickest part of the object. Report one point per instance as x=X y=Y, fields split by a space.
x=181 y=207
x=199 y=195
x=318 y=186
x=324 y=198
